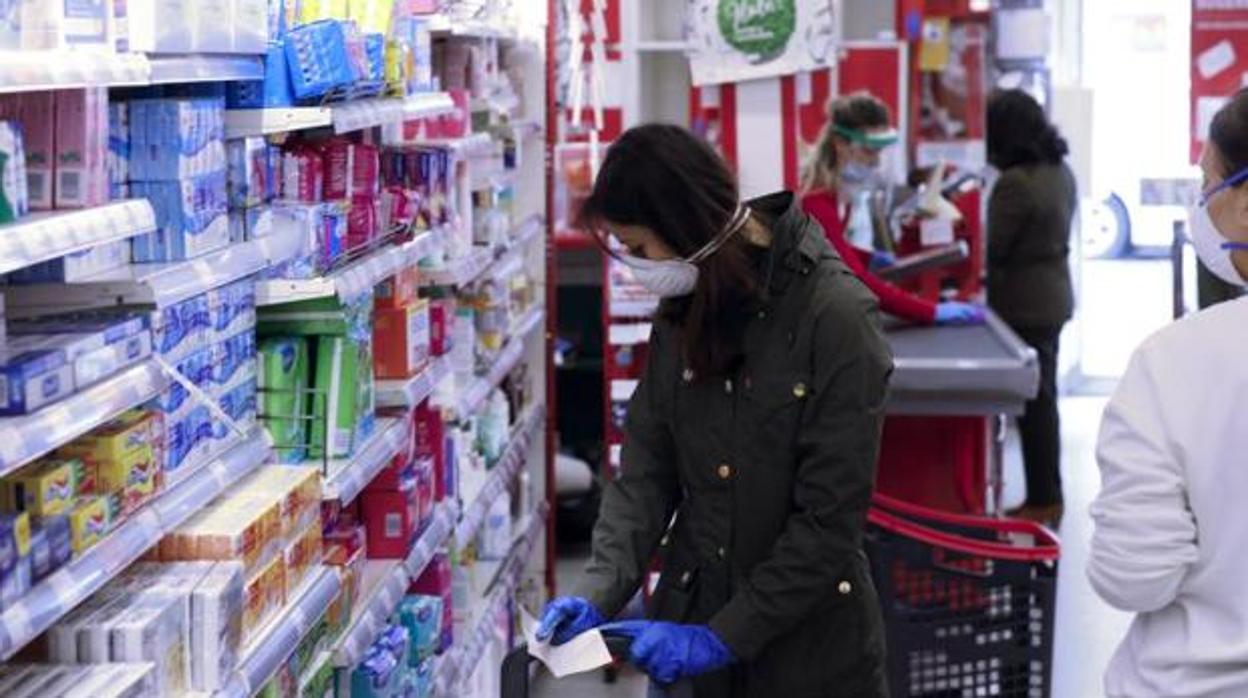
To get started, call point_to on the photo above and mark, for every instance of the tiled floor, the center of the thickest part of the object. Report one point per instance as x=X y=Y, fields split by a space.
x=1087 y=630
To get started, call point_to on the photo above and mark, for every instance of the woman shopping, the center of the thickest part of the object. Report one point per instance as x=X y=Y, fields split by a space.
x=837 y=184
x=1168 y=543
x=751 y=440
x=1029 y=284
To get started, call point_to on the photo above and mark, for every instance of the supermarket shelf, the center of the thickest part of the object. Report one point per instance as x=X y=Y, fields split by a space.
x=481 y=262
x=43 y=236
x=347 y=477
x=352 y=280
x=506 y=470
x=384 y=584
x=412 y=391
x=204 y=68
x=527 y=128
x=25 y=438
x=471 y=146
x=244 y=123
x=451 y=667
x=55 y=596
x=468 y=29
x=161 y=284
x=371 y=113
x=30 y=71
x=475 y=393
x=275 y=644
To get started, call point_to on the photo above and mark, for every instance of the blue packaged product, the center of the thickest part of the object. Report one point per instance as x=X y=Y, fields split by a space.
x=198 y=369
x=241 y=405
x=232 y=355
x=15 y=583
x=30 y=379
x=375 y=50
x=318 y=59
x=422 y=616
x=108 y=328
x=377 y=676
x=51 y=546
x=273 y=91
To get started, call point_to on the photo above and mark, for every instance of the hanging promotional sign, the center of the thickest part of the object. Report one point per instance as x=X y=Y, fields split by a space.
x=739 y=40
x=1219 y=61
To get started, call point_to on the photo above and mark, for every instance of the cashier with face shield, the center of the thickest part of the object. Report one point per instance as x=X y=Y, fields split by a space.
x=1172 y=515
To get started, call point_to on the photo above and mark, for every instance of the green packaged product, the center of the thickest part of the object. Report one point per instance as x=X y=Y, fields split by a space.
x=283 y=385
x=334 y=409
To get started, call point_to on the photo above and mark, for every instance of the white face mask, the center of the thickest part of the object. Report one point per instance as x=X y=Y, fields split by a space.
x=671 y=278
x=1212 y=247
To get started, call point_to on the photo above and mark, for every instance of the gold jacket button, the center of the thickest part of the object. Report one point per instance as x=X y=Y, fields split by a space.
x=686 y=578
x=687 y=375
x=844 y=588
x=724 y=471
x=728 y=387
x=721 y=553
x=799 y=391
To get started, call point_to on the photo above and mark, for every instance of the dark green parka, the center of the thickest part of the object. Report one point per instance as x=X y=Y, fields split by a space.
x=769 y=474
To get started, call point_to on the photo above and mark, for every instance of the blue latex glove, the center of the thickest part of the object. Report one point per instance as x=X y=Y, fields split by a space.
x=566 y=617
x=956 y=313
x=882 y=260
x=669 y=652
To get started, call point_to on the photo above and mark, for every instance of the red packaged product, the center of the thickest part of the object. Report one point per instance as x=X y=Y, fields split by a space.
x=441 y=326
x=391 y=520
x=365 y=170
x=398 y=291
x=430 y=439
x=436 y=581
x=338 y=157
x=362 y=221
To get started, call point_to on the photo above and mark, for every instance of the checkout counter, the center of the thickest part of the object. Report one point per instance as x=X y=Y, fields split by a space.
x=951 y=391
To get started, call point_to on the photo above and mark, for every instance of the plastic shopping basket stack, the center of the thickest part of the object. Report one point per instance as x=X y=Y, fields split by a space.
x=968 y=601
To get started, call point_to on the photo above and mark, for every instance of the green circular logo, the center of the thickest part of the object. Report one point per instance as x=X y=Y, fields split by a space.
x=758 y=28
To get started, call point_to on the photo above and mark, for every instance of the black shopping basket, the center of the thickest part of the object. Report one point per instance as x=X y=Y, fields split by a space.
x=516 y=670
x=968 y=601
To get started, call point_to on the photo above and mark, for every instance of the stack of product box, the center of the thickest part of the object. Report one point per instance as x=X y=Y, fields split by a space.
x=63 y=504
x=148 y=26
x=338 y=414
x=252 y=170
x=177 y=162
x=401 y=327
x=397 y=504
x=184 y=618
x=270 y=523
x=398 y=662
x=210 y=339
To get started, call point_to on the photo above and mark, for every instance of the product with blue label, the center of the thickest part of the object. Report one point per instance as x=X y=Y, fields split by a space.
x=319 y=59
x=31 y=379
x=422 y=616
x=273 y=91
x=96 y=346
x=51 y=546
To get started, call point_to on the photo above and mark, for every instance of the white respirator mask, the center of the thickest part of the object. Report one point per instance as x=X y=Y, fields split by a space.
x=1212 y=247
x=671 y=278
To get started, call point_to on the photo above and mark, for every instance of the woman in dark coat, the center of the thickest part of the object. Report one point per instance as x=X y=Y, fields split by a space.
x=751 y=441
x=1029 y=286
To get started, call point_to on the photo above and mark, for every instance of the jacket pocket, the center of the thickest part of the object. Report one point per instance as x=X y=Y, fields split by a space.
x=774 y=405
x=674 y=594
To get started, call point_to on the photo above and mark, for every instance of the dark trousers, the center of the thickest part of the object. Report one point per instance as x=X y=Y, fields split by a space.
x=1040 y=426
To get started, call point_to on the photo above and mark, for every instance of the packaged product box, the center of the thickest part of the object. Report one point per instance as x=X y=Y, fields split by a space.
x=251 y=26
x=90 y=360
x=398 y=470
x=429 y=434
x=217 y=605
x=441 y=322
x=283 y=383
x=301 y=555
x=334 y=406
x=31 y=379
x=422 y=616
x=401 y=340
x=89 y=521
x=76 y=266
x=46 y=488
x=263 y=596
x=391 y=520
x=81 y=147
x=298 y=491
x=162 y=26
x=156 y=632
x=132 y=680
x=37 y=114
x=242 y=527
x=437 y=580
x=51 y=546
x=124 y=457
x=15 y=546
x=400 y=290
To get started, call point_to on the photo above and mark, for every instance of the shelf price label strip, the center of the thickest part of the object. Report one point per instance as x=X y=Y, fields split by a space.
x=508 y=358
x=43 y=236
x=25 y=438
x=64 y=589
x=348 y=477
x=413 y=391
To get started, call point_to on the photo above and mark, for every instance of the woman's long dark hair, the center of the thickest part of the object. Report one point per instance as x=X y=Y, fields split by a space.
x=1019 y=132
x=669 y=180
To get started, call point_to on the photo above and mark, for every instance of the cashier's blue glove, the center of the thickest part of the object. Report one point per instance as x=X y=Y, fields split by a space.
x=955 y=313
x=669 y=652
x=882 y=260
x=566 y=617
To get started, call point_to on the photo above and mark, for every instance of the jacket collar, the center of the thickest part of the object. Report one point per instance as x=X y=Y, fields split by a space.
x=795 y=249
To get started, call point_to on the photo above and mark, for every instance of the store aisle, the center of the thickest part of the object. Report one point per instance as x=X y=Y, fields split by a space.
x=1087 y=631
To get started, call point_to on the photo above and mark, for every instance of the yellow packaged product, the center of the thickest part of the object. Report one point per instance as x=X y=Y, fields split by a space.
x=301 y=556
x=124 y=457
x=46 y=488
x=297 y=490
x=89 y=521
x=243 y=527
x=263 y=595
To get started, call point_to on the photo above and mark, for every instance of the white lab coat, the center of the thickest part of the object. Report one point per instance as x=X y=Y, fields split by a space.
x=1171 y=535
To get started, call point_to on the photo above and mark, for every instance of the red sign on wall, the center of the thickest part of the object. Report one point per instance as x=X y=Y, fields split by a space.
x=1219 y=61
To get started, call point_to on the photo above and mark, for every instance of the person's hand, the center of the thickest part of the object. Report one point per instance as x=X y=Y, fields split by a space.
x=882 y=260
x=566 y=617
x=956 y=313
x=669 y=652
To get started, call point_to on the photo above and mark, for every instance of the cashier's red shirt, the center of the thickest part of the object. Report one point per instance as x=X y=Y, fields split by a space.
x=824 y=208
